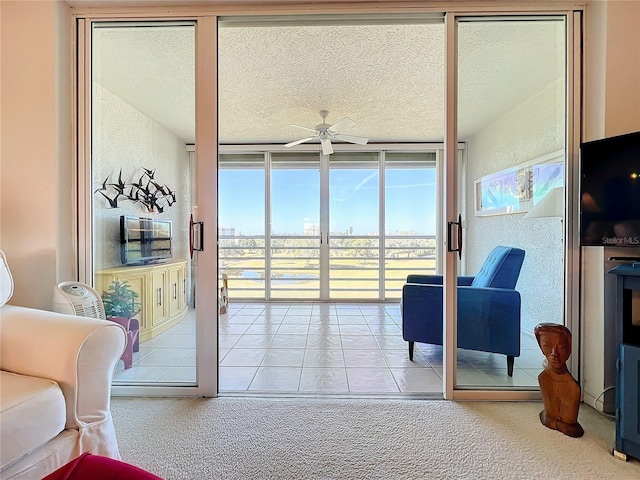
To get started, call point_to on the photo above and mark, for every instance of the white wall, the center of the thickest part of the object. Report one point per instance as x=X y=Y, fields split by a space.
x=612 y=68
x=529 y=131
x=36 y=162
x=123 y=137
x=622 y=90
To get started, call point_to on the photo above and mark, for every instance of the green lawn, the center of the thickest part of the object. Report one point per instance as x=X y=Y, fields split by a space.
x=359 y=277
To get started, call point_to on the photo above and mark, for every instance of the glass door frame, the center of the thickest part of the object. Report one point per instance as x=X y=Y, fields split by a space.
x=207 y=174
x=206 y=121
x=451 y=196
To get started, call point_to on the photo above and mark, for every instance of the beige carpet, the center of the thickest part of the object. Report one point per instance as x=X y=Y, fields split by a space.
x=258 y=438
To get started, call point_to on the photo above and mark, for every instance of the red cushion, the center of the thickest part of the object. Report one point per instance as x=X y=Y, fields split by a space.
x=96 y=467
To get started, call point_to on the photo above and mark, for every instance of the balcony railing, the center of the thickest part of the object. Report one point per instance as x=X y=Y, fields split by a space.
x=291 y=268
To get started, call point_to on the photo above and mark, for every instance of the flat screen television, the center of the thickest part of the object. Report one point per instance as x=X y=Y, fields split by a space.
x=144 y=240
x=610 y=191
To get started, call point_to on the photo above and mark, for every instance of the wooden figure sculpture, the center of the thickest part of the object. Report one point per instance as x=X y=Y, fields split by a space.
x=560 y=391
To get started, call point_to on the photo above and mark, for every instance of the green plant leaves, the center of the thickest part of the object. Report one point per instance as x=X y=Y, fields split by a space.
x=120 y=300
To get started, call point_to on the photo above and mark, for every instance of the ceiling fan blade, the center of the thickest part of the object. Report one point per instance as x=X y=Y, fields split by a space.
x=302 y=127
x=346 y=122
x=351 y=139
x=298 y=142
x=327 y=149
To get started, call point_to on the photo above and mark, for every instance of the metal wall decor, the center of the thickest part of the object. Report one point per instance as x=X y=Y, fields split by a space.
x=146 y=191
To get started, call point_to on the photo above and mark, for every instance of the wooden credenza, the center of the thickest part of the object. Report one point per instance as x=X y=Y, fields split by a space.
x=162 y=289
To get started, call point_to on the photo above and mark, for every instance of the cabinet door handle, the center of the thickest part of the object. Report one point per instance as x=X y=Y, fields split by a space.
x=175 y=291
x=159 y=297
x=184 y=286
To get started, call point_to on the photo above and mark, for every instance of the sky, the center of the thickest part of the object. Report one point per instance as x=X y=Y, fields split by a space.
x=353 y=193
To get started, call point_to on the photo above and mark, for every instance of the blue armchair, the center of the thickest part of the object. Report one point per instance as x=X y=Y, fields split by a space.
x=488 y=307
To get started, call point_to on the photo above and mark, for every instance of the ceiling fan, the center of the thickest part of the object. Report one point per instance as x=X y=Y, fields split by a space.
x=326 y=133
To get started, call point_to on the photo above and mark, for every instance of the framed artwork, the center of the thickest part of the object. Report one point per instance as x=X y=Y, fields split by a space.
x=545 y=177
x=516 y=189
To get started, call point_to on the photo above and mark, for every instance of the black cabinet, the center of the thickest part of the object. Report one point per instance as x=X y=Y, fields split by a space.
x=628 y=341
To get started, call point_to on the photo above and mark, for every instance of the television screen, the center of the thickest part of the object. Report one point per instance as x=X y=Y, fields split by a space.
x=144 y=240
x=610 y=191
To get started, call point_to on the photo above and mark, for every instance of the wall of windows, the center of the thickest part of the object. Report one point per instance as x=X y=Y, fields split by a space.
x=308 y=226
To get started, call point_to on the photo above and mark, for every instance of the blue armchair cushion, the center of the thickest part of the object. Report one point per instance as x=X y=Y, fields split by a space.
x=501 y=268
x=437 y=280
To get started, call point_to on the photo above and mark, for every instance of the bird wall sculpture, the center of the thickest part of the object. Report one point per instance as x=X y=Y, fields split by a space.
x=155 y=197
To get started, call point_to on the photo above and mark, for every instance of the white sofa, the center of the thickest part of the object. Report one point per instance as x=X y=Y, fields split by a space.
x=55 y=386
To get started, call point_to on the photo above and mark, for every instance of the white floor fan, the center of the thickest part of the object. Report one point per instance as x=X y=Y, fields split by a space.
x=326 y=132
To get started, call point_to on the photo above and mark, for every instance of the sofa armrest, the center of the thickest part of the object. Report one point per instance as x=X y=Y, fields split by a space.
x=437 y=279
x=490 y=318
x=425 y=279
x=77 y=352
x=465 y=281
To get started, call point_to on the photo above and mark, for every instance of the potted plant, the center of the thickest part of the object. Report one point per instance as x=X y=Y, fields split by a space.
x=120 y=305
x=120 y=300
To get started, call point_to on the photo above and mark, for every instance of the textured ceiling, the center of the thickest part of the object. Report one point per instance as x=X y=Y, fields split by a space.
x=388 y=78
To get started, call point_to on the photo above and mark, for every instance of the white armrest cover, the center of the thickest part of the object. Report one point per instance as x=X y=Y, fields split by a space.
x=77 y=352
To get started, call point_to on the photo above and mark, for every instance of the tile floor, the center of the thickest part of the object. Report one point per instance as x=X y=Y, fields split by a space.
x=168 y=358
x=320 y=348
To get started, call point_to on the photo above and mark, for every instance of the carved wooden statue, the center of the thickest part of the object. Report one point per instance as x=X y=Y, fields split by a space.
x=560 y=391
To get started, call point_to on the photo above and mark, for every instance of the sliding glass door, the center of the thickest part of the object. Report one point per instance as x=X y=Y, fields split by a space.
x=142 y=195
x=411 y=216
x=295 y=235
x=353 y=235
x=242 y=225
x=513 y=188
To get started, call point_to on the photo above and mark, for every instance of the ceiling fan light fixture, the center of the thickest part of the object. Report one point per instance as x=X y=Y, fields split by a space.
x=326 y=132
